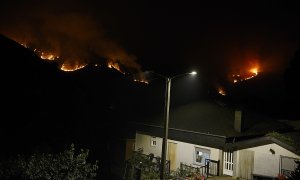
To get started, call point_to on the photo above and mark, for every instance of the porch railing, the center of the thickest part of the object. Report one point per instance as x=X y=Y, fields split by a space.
x=211 y=168
x=189 y=170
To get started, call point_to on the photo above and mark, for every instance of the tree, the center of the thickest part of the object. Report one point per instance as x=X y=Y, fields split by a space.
x=62 y=166
x=292 y=75
x=143 y=166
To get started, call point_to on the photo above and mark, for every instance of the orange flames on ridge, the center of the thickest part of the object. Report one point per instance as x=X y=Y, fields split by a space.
x=249 y=74
x=48 y=56
x=69 y=67
x=66 y=66
x=72 y=67
x=115 y=65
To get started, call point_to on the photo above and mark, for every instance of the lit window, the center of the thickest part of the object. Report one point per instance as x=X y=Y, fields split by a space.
x=153 y=141
x=201 y=155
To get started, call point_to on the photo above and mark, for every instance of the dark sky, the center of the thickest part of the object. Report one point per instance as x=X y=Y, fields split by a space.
x=215 y=38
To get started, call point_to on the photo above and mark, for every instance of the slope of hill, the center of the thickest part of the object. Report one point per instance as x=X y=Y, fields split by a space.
x=43 y=106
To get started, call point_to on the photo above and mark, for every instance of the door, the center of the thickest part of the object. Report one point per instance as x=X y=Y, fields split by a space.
x=246 y=164
x=129 y=148
x=228 y=163
x=172 y=155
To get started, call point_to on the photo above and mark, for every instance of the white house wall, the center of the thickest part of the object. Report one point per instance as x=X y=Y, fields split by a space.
x=185 y=151
x=266 y=163
x=144 y=142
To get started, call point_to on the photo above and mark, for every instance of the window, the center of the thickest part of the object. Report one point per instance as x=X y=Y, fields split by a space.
x=153 y=141
x=201 y=155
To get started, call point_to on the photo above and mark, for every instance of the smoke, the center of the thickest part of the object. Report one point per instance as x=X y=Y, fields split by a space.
x=70 y=30
x=236 y=50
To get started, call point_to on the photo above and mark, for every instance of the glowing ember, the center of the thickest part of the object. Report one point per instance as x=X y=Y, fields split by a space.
x=48 y=56
x=141 y=81
x=116 y=66
x=72 y=67
x=254 y=71
x=221 y=91
x=43 y=55
x=25 y=45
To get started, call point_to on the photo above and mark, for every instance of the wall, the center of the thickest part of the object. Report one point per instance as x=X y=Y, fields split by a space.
x=185 y=151
x=266 y=163
x=144 y=141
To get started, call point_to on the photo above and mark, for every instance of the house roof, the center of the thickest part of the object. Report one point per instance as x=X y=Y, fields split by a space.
x=203 y=139
x=213 y=117
x=205 y=117
x=259 y=141
x=211 y=123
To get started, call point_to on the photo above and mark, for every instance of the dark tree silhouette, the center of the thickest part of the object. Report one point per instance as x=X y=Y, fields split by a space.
x=292 y=88
x=292 y=76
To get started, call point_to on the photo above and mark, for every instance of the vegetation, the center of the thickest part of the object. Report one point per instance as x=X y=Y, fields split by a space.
x=186 y=172
x=62 y=166
x=142 y=165
x=147 y=167
x=283 y=138
x=295 y=175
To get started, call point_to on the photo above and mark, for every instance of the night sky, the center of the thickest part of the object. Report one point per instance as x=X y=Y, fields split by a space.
x=215 y=38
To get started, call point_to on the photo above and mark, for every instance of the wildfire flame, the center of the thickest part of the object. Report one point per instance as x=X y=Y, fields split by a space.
x=43 y=55
x=115 y=65
x=72 y=67
x=141 y=81
x=246 y=76
x=48 y=56
x=25 y=45
x=254 y=71
x=140 y=77
x=221 y=91
x=69 y=67
x=66 y=66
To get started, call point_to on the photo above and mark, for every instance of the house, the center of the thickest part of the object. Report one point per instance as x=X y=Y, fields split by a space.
x=240 y=141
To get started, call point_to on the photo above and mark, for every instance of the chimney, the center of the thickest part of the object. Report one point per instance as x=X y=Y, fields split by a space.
x=238 y=120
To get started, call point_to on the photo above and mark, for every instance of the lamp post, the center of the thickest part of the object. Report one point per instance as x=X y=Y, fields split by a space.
x=166 y=122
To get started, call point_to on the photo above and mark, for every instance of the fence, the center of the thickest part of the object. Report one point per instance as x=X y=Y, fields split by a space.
x=211 y=168
x=189 y=170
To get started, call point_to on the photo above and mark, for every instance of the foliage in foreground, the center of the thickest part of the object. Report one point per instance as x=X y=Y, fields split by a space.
x=149 y=169
x=144 y=164
x=62 y=166
x=296 y=173
x=286 y=139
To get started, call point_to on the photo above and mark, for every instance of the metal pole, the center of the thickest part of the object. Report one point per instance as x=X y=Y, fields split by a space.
x=166 y=128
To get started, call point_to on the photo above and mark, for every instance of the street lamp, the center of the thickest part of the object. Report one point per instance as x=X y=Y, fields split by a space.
x=166 y=123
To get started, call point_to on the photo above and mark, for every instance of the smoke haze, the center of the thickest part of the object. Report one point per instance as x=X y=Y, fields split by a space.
x=69 y=30
x=216 y=38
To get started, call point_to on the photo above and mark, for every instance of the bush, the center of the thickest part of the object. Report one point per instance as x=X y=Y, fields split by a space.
x=296 y=173
x=144 y=164
x=62 y=166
